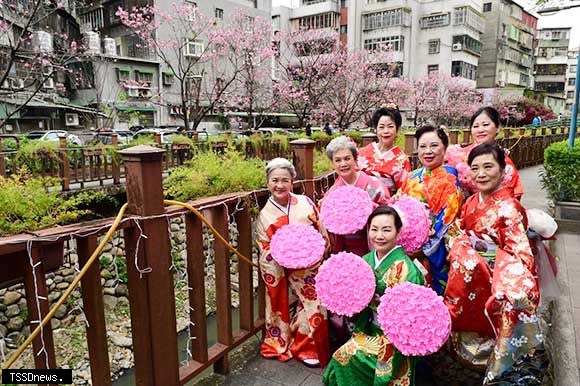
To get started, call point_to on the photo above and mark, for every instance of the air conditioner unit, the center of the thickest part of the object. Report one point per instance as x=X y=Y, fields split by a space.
x=110 y=46
x=193 y=49
x=146 y=93
x=501 y=83
x=42 y=41
x=92 y=43
x=16 y=83
x=6 y=84
x=48 y=84
x=133 y=92
x=71 y=119
x=456 y=47
x=410 y=114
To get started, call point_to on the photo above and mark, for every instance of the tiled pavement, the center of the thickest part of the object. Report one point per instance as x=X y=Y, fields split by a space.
x=252 y=370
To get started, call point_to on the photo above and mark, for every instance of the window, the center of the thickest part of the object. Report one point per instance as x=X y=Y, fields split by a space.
x=464 y=69
x=570 y=94
x=123 y=74
x=434 y=46
x=466 y=43
x=343 y=29
x=276 y=23
x=543 y=52
x=248 y=23
x=432 y=68
x=486 y=7
x=113 y=7
x=219 y=14
x=168 y=78
x=384 y=19
x=468 y=17
x=556 y=35
x=550 y=69
x=550 y=87
x=572 y=68
x=569 y=106
x=572 y=82
x=323 y=20
x=192 y=48
x=435 y=21
x=395 y=43
x=144 y=76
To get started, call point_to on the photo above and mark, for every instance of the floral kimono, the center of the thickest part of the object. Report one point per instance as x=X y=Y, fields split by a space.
x=439 y=189
x=305 y=336
x=357 y=243
x=492 y=293
x=390 y=166
x=511 y=178
x=368 y=358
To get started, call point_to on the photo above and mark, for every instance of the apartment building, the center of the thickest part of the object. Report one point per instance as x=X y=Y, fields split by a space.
x=507 y=58
x=425 y=37
x=552 y=60
x=571 y=78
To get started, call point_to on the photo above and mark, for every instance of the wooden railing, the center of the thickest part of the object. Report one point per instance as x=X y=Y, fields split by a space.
x=29 y=256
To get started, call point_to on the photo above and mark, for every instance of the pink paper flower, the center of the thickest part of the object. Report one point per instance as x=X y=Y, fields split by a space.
x=414 y=319
x=416 y=223
x=345 y=283
x=297 y=246
x=345 y=210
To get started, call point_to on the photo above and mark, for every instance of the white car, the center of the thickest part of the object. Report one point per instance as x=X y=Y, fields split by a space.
x=54 y=135
x=166 y=134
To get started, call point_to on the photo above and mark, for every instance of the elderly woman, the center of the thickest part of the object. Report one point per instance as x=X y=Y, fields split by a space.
x=383 y=159
x=485 y=124
x=437 y=186
x=492 y=292
x=344 y=154
x=305 y=335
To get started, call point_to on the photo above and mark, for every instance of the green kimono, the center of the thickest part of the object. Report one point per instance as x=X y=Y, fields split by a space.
x=368 y=358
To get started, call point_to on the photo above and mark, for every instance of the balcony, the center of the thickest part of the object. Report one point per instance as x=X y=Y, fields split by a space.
x=315 y=9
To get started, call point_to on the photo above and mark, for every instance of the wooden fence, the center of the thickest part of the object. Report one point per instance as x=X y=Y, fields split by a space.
x=27 y=257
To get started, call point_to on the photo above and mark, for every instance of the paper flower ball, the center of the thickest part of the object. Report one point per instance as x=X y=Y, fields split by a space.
x=345 y=210
x=345 y=283
x=416 y=223
x=297 y=246
x=454 y=155
x=414 y=319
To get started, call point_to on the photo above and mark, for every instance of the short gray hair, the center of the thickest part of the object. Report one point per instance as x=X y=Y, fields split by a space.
x=340 y=143
x=280 y=163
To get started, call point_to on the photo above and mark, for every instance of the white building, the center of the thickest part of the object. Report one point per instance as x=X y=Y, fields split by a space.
x=552 y=60
x=425 y=37
x=571 y=78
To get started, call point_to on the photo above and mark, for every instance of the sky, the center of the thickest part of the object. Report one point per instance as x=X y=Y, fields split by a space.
x=563 y=18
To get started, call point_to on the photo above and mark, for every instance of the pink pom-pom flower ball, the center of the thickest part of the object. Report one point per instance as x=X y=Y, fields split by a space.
x=416 y=223
x=454 y=155
x=297 y=246
x=414 y=318
x=345 y=210
x=345 y=284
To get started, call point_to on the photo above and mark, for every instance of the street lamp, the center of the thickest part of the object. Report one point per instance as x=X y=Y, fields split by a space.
x=574 y=120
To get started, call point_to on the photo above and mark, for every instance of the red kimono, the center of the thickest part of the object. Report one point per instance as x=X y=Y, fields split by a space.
x=391 y=166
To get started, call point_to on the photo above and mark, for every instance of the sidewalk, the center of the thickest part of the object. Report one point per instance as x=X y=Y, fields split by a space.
x=250 y=369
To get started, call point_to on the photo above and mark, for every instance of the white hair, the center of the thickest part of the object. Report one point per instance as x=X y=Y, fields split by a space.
x=280 y=163
x=340 y=143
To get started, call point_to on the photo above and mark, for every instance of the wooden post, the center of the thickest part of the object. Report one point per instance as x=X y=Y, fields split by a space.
x=534 y=131
x=453 y=137
x=116 y=165
x=303 y=155
x=150 y=279
x=94 y=309
x=409 y=143
x=158 y=138
x=368 y=138
x=2 y=163
x=64 y=166
x=507 y=132
x=522 y=131
x=554 y=130
x=466 y=135
x=544 y=128
x=246 y=287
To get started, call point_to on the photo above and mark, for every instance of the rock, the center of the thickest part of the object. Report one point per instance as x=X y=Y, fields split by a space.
x=22 y=302
x=181 y=238
x=175 y=227
x=109 y=291
x=55 y=323
x=67 y=272
x=12 y=339
x=108 y=247
x=121 y=290
x=105 y=273
x=11 y=297
x=122 y=301
x=109 y=301
x=3 y=331
x=84 y=375
x=54 y=296
x=3 y=319
x=120 y=340
x=63 y=285
x=58 y=279
x=2 y=307
x=49 y=282
x=15 y=324
x=12 y=310
x=60 y=312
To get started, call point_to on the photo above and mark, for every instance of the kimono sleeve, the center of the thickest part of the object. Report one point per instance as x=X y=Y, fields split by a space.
x=262 y=238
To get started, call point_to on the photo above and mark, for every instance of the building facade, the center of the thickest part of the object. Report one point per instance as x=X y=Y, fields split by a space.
x=552 y=61
x=571 y=78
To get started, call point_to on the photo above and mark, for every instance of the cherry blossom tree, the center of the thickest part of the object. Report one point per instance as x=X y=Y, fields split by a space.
x=307 y=62
x=34 y=56
x=196 y=50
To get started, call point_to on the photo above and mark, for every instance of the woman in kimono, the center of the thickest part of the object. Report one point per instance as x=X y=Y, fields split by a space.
x=368 y=358
x=437 y=186
x=485 y=124
x=383 y=159
x=344 y=155
x=305 y=336
x=492 y=293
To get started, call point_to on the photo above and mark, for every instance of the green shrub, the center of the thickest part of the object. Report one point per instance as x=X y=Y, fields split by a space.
x=142 y=140
x=179 y=139
x=282 y=139
x=210 y=174
x=319 y=135
x=355 y=135
x=322 y=164
x=31 y=153
x=561 y=174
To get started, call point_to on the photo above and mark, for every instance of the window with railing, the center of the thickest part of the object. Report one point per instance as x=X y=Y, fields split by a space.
x=524 y=80
x=572 y=69
x=572 y=82
x=468 y=17
x=395 y=43
x=432 y=68
x=385 y=19
x=434 y=46
x=311 y=2
x=112 y=10
x=323 y=20
x=466 y=43
x=570 y=94
x=93 y=20
x=550 y=69
x=464 y=69
x=551 y=87
x=137 y=49
x=435 y=21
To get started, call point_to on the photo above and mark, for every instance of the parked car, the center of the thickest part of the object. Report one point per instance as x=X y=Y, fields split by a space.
x=165 y=134
x=124 y=136
x=54 y=135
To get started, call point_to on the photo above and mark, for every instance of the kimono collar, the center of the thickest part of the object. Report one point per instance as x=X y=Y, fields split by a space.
x=355 y=183
x=378 y=261
x=285 y=210
x=499 y=194
x=380 y=152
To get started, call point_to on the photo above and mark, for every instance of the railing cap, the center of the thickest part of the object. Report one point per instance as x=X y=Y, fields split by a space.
x=369 y=135
x=142 y=153
x=302 y=142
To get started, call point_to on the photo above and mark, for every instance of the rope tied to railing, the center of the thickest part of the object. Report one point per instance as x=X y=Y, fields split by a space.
x=97 y=252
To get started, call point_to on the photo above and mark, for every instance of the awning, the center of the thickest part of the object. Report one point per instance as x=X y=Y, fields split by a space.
x=39 y=103
x=135 y=108
x=123 y=69
x=142 y=71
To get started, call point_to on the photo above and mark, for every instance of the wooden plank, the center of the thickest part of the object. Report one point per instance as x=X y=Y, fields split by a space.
x=196 y=283
x=223 y=286
x=94 y=309
x=246 y=287
x=38 y=307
